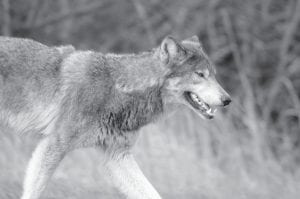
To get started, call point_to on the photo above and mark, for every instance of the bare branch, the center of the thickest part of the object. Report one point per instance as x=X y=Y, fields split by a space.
x=293 y=93
x=288 y=35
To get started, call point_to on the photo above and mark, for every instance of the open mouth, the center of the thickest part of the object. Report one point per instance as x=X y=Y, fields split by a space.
x=199 y=105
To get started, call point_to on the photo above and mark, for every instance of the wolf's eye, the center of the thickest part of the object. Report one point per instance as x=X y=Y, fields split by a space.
x=193 y=58
x=200 y=74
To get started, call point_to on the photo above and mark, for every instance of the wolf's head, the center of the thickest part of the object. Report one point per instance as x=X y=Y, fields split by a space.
x=191 y=78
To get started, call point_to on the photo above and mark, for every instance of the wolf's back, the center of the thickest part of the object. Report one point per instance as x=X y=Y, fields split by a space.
x=24 y=57
x=28 y=71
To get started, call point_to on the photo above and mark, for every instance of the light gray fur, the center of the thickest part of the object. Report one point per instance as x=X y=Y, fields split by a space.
x=88 y=99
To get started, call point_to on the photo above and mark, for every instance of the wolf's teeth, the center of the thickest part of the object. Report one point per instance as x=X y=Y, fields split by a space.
x=194 y=97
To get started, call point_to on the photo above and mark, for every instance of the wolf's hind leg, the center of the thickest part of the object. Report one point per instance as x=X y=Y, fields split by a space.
x=49 y=152
x=129 y=179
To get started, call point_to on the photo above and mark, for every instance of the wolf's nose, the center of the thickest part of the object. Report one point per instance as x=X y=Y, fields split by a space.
x=226 y=101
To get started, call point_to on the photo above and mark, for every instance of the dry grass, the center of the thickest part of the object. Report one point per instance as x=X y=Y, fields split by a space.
x=183 y=156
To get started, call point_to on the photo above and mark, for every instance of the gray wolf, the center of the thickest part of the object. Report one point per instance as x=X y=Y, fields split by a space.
x=88 y=99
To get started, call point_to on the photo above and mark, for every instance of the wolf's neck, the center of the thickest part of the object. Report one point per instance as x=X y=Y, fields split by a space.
x=144 y=62
x=137 y=72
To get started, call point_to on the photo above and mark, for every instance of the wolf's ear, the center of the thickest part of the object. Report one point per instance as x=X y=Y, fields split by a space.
x=169 y=49
x=193 y=40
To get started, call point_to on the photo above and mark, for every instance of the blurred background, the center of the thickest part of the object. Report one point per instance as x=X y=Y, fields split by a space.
x=251 y=150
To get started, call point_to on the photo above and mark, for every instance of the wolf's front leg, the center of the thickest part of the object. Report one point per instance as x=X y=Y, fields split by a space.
x=43 y=163
x=129 y=179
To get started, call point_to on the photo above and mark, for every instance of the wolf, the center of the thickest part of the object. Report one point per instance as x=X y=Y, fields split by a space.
x=77 y=99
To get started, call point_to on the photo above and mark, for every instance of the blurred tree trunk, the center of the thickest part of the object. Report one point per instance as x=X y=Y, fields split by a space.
x=6 y=29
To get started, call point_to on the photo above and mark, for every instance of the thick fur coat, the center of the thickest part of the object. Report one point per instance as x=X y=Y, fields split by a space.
x=89 y=99
x=77 y=90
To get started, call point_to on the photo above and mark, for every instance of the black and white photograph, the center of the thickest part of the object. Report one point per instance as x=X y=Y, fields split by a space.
x=149 y=99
